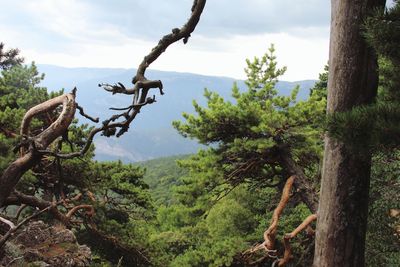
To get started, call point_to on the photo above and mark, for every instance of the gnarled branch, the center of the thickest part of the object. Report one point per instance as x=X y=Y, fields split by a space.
x=270 y=233
x=31 y=157
x=35 y=147
x=288 y=250
x=268 y=245
x=141 y=85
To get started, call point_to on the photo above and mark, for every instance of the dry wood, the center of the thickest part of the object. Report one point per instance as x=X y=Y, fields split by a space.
x=286 y=240
x=270 y=233
x=35 y=147
x=30 y=157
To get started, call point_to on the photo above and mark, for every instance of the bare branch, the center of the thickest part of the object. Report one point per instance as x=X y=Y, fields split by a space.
x=177 y=34
x=16 y=169
x=58 y=127
x=9 y=233
x=302 y=226
x=141 y=87
x=270 y=233
x=88 y=208
x=85 y=115
x=8 y=222
x=288 y=250
x=19 y=211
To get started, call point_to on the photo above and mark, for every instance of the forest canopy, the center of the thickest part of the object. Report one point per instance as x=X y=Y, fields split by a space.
x=249 y=197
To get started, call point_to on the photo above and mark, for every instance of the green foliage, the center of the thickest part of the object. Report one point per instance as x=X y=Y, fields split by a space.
x=221 y=205
x=9 y=58
x=383 y=244
x=123 y=208
x=248 y=131
x=121 y=199
x=162 y=175
x=205 y=209
x=376 y=125
x=368 y=127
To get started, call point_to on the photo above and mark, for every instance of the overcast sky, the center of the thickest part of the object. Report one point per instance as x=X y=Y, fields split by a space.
x=118 y=33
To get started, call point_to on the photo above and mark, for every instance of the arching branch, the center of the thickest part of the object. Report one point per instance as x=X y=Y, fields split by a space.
x=31 y=145
x=270 y=233
x=268 y=246
x=286 y=240
x=35 y=147
x=115 y=126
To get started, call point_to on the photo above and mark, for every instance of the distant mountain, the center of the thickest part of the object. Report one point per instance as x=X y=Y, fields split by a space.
x=151 y=134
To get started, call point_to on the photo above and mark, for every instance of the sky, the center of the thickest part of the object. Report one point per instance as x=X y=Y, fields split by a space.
x=119 y=33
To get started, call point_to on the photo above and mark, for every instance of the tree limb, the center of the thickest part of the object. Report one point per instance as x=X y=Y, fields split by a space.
x=141 y=85
x=270 y=233
x=31 y=157
x=288 y=250
x=37 y=145
x=4 y=239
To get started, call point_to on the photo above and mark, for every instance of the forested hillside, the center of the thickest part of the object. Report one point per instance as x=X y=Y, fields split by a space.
x=300 y=178
x=153 y=135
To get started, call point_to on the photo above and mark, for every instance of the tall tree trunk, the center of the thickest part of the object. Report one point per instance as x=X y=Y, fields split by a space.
x=343 y=206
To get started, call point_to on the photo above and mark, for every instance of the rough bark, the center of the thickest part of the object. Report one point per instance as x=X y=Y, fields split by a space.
x=342 y=212
x=302 y=184
x=16 y=169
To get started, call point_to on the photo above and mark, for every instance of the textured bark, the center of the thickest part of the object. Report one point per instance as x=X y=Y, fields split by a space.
x=13 y=173
x=343 y=206
x=303 y=187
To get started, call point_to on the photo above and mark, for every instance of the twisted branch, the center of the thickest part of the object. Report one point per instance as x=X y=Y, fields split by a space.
x=34 y=148
x=31 y=145
x=288 y=250
x=270 y=234
x=141 y=87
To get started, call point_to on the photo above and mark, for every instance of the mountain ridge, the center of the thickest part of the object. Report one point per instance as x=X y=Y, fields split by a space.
x=151 y=134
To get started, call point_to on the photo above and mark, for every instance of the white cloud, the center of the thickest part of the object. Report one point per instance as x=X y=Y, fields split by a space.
x=304 y=58
x=109 y=148
x=69 y=33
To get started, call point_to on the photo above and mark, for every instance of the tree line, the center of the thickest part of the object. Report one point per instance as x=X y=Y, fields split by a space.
x=281 y=181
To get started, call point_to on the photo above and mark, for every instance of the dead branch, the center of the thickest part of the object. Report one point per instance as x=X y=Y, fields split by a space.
x=10 y=232
x=270 y=233
x=8 y=222
x=302 y=185
x=19 y=211
x=286 y=240
x=34 y=148
x=82 y=112
x=302 y=226
x=141 y=85
x=30 y=156
x=58 y=127
x=89 y=210
x=18 y=198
